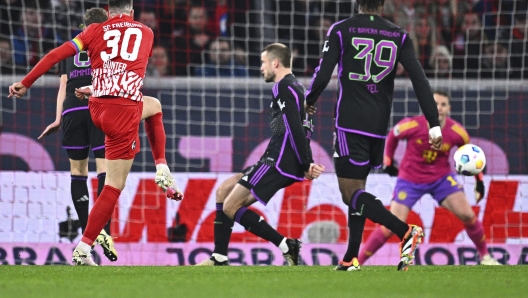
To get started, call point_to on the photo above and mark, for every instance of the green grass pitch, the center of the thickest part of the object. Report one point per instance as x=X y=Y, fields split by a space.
x=269 y=281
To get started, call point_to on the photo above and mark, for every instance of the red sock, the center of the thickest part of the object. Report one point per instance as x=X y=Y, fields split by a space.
x=475 y=232
x=373 y=243
x=156 y=136
x=101 y=213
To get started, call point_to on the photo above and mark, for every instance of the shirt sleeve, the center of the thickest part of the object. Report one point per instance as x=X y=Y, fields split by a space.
x=402 y=130
x=323 y=73
x=420 y=83
x=463 y=136
x=291 y=108
x=46 y=63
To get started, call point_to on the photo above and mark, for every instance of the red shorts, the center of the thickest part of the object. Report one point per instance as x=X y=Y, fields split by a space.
x=119 y=119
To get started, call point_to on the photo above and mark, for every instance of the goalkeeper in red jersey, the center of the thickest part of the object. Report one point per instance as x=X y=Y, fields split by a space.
x=425 y=171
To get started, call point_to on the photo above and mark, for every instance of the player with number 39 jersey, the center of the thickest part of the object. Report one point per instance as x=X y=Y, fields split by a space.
x=120 y=67
x=367 y=49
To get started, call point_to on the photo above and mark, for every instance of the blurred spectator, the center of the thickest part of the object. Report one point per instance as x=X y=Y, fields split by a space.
x=31 y=39
x=441 y=62
x=66 y=17
x=9 y=13
x=162 y=30
x=315 y=42
x=495 y=61
x=220 y=18
x=492 y=20
x=294 y=18
x=159 y=64
x=177 y=11
x=424 y=40
x=189 y=46
x=220 y=62
x=467 y=48
x=403 y=12
x=448 y=15
x=6 y=56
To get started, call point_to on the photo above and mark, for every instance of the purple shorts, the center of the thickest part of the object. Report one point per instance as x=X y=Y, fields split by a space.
x=408 y=193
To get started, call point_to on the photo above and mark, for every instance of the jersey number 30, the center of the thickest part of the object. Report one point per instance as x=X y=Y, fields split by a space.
x=113 y=37
x=366 y=47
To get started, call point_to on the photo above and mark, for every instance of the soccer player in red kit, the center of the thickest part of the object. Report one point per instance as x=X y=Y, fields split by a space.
x=425 y=171
x=119 y=50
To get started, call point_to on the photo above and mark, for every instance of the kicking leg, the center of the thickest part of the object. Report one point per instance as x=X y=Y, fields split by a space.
x=381 y=234
x=157 y=139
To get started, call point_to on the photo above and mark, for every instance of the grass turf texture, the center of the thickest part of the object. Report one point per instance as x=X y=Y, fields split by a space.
x=270 y=281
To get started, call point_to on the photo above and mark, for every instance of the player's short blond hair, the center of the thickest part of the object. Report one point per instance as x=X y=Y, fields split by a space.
x=280 y=52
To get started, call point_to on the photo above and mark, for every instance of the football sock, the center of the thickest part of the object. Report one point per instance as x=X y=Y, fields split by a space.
x=100 y=184
x=101 y=213
x=85 y=248
x=80 y=198
x=373 y=243
x=369 y=206
x=356 y=224
x=255 y=224
x=284 y=246
x=475 y=232
x=223 y=226
x=156 y=136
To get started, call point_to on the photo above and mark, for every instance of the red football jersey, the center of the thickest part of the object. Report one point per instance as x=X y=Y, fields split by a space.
x=119 y=50
x=420 y=163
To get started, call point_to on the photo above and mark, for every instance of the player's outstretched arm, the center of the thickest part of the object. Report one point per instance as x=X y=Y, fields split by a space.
x=61 y=96
x=423 y=91
x=17 y=90
x=314 y=172
x=46 y=63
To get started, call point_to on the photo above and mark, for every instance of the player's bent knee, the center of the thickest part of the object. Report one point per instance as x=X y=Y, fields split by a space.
x=230 y=209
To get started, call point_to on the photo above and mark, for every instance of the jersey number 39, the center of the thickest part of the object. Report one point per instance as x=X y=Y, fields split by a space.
x=113 y=37
x=367 y=49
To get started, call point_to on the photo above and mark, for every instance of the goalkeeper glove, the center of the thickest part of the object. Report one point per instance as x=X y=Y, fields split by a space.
x=480 y=190
x=390 y=168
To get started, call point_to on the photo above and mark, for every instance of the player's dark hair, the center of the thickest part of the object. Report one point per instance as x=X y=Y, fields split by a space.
x=370 y=5
x=280 y=52
x=95 y=15
x=117 y=6
x=443 y=93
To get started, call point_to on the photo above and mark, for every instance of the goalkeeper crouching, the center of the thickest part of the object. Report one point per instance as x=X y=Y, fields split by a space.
x=425 y=171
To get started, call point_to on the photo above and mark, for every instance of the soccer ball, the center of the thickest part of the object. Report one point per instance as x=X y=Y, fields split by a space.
x=469 y=160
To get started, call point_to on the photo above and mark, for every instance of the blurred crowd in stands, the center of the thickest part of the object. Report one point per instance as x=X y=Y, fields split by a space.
x=223 y=38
